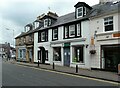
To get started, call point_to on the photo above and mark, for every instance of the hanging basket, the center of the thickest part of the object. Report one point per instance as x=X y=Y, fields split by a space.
x=92 y=51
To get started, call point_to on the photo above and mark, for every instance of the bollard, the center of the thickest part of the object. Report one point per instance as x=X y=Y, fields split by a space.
x=53 y=65
x=38 y=63
x=76 y=68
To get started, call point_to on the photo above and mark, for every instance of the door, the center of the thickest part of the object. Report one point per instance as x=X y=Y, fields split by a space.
x=67 y=56
x=112 y=58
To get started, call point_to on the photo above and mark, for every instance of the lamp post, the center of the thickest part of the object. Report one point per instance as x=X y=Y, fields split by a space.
x=13 y=34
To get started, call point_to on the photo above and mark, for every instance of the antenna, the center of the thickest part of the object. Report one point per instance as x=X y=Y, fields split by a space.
x=49 y=8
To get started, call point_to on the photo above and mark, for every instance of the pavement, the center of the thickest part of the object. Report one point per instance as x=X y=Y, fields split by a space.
x=104 y=75
x=19 y=76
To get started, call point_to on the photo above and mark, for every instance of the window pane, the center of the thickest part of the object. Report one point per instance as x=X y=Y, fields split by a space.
x=43 y=36
x=72 y=30
x=108 y=23
x=79 y=11
x=55 y=33
x=57 y=54
x=109 y=28
x=78 y=54
x=66 y=32
x=78 y=29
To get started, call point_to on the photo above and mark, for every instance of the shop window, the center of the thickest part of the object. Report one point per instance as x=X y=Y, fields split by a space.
x=46 y=52
x=78 y=54
x=57 y=54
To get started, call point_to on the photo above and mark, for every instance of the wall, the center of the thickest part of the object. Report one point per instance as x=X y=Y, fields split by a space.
x=97 y=24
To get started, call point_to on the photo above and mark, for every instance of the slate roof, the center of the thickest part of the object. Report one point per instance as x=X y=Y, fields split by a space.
x=97 y=10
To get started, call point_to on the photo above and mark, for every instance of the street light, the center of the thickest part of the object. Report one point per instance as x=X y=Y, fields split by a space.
x=13 y=34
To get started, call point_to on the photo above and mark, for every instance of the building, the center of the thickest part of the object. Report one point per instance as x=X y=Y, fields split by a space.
x=5 y=51
x=88 y=37
x=105 y=28
x=64 y=40
x=24 y=45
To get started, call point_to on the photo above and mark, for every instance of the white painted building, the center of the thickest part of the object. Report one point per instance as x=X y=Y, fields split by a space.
x=65 y=39
x=105 y=28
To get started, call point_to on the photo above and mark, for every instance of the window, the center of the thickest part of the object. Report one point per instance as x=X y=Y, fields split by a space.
x=108 y=23
x=45 y=22
x=20 y=53
x=27 y=28
x=55 y=34
x=78 y=29
x=42 y=36
x=46 y=52
x=78 y=54
x=30 y=37
x=36 y=25
x=66 y=32
x=49 y=22
x=85 y=11
x=24 y=53
x=79 y=12
x=57 y=54
x=72 y=31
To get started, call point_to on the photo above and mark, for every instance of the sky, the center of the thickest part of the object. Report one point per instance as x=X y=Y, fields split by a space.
x=15 y=14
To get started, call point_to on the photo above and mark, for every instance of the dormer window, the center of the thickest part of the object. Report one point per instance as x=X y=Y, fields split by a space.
x=47 y=22
x=81 y=9
x=36 y=25
x=79 y=12
x=27 y=28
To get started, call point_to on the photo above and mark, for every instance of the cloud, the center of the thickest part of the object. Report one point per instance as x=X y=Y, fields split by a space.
x=17 y=13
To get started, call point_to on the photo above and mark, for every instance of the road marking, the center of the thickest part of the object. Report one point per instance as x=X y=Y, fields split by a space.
x=78 y=76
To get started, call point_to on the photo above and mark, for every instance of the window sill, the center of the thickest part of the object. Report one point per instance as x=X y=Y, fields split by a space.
x=78 y=63
x=57 y=61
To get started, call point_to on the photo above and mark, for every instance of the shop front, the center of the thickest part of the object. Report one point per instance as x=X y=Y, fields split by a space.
x=111 y=55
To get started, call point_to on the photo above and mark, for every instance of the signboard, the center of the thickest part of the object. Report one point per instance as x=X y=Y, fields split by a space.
x=116 y=35
x=66 y=44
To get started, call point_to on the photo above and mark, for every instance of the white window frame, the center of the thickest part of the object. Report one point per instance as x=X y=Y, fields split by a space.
x=45 y=22
x=36 y=25
x=49 y=23
x=78 y=29
x=79 y=12
x=27 y=28
x=66 y=32
x=42 y=36
x=85 y=10
x=55 y=33
x=71 y=30
x=108 y=23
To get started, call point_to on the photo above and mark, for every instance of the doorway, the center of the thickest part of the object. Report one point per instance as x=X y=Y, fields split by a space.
x=67 y=56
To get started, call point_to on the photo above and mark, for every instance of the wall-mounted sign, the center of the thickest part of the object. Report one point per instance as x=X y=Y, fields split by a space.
x=66 y=44
x=116 y=35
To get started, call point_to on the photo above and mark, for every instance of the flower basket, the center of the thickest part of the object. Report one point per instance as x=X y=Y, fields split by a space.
x=92 y=51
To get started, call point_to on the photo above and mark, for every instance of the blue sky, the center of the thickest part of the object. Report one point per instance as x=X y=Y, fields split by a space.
x=15 y=14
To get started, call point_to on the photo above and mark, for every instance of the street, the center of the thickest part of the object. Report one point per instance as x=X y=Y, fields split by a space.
x=14 y=75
